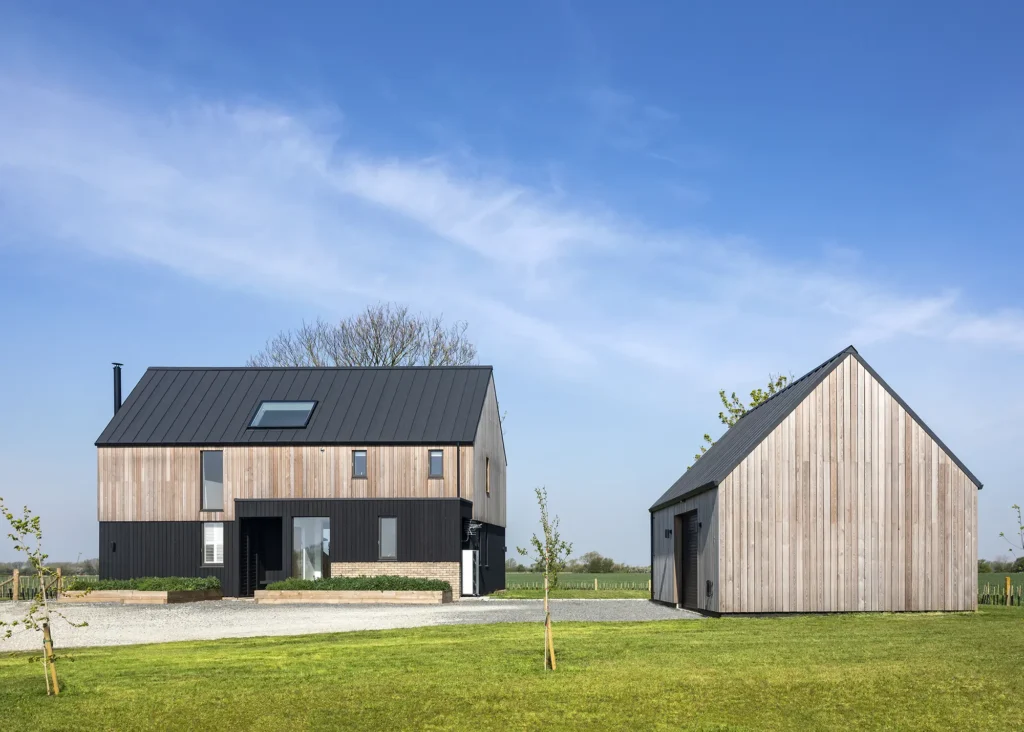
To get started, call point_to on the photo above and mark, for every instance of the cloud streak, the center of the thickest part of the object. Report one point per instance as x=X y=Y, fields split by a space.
x=270 y=199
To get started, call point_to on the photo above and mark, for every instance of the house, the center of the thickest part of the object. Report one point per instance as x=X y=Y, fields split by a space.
x=832 y=496
x=259 y=474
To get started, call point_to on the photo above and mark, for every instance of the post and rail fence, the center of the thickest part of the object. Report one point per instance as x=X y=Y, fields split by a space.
x=21 y=586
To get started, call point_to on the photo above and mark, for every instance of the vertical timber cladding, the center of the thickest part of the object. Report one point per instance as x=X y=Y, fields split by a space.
x=848 y=505
x=488 y=449
x=164 y=484
x=663 y=582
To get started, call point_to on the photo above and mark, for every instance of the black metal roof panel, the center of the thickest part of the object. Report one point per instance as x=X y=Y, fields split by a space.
x=214 y=406
x=753 y=427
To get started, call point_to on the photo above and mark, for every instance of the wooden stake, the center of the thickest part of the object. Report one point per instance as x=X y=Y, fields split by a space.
x=15 y=576
x=59 y=583
x=551 y=643
x=1007 y=591
x=48 y=648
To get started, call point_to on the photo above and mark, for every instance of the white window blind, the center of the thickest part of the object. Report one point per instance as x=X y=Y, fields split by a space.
x=213 y=543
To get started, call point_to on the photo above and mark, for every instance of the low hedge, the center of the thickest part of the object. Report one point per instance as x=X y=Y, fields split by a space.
x=152 y=584
x=383 y=582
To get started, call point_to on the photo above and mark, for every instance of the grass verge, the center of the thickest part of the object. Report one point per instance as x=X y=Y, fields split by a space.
x=912 y=671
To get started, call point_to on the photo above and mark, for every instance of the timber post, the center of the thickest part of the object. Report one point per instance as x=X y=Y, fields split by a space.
x=1007 y=591
x=16 y=578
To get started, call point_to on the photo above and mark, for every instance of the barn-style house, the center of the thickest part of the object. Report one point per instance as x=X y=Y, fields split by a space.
x=832 y=496
x=258 y=474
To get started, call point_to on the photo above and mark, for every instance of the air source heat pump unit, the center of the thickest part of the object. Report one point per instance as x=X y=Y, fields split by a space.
x=470 y=572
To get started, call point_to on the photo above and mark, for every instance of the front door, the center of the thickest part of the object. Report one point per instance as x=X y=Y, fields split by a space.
x=687 y=530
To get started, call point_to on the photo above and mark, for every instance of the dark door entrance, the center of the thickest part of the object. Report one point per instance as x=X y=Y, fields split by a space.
x=686 y=558
x=260 y=550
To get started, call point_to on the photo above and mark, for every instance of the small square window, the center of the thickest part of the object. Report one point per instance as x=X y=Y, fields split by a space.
x=359 y=463
x=213 y=480
x=388 y=542
x=436 y=463
x=213 y=543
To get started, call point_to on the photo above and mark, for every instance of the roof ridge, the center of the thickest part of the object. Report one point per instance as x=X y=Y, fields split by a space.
x=314 y=368
x=790 y=384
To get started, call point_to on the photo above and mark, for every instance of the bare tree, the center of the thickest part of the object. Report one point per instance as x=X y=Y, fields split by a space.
x=385 y=334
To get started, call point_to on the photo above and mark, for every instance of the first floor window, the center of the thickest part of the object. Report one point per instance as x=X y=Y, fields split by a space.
x=213 y=543
x=213 y=480
x=436 y=464
x=388 y=537
x=359 y=463
x=487 y=475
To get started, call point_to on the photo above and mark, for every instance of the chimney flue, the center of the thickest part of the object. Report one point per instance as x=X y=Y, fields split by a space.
x=117 y=387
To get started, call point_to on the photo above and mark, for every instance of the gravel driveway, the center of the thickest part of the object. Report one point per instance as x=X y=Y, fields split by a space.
x=127 y=624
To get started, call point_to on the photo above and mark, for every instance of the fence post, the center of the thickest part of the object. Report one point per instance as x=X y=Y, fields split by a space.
x=648 y=586
x=1007 y=592
x=595 y=583
x=59 y=583
x=14 y=586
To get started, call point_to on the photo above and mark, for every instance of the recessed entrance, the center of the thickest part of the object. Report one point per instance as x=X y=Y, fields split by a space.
x=260 y=548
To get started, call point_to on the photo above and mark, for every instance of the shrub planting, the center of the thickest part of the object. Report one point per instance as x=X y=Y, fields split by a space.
x=383 y=582
x=151 y=584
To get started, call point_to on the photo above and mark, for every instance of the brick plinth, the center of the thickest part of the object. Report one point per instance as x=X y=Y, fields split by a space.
x=450 y=572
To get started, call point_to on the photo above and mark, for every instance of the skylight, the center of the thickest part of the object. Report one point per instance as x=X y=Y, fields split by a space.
x=282 y=415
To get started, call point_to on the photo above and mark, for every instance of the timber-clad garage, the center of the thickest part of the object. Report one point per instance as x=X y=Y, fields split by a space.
x=831 y=496
x=258 y=474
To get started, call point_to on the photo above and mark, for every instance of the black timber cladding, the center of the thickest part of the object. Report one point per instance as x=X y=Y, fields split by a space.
x=756 y=424
x=132 y=549
x=357 y=406
x=429 y=529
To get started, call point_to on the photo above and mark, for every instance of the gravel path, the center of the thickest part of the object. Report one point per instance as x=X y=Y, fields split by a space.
x=111 y=625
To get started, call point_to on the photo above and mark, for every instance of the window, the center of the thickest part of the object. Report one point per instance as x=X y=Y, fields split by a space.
x=213 y=480
x=487 y=475
x=213 y=543
x=282 y=415
x=311 y=547
x=436 y=464
x=388 y=537
x=359 y=463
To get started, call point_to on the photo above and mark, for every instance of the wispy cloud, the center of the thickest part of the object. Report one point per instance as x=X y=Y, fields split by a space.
x=277 y=200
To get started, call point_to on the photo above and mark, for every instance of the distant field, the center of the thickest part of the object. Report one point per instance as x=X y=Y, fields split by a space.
x=998 y=579
x=579 y=581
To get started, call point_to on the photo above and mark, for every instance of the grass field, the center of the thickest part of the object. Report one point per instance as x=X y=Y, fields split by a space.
x=913 y=671
x=578 y=580
x=998 y=579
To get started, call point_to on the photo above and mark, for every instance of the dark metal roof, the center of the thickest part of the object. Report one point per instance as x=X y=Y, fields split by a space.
x=755 y=425
x=214 y=406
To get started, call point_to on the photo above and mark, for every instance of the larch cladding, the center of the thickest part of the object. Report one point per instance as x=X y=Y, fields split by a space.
x=164 y=483
x=450 y=572
x=666 y=551
x=848 y=505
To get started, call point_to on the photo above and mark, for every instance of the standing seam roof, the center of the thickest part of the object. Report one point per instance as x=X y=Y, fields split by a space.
x=213 y=406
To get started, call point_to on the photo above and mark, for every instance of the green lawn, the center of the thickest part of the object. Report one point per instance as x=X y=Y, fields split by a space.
x=914 y=671
x=579 y=580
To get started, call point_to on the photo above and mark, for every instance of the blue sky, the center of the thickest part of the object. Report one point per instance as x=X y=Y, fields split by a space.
x=632 y=208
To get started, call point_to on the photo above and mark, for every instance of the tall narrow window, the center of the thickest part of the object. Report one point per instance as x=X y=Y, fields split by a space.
x=213 y=543
x=388 y=537
x=213 y=480
x=359 y=463
x=487 y=474
x=436 y=464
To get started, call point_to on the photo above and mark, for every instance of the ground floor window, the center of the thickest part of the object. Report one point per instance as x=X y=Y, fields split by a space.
x=311 y=547
x=213 y=543
x=388 y=541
